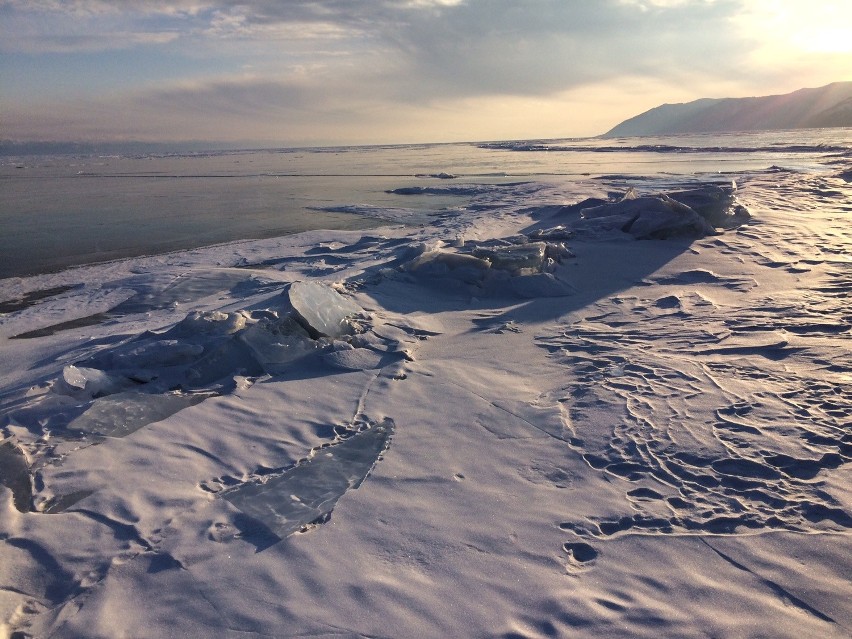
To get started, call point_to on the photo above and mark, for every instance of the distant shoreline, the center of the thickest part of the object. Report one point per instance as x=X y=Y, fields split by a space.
x=829 y=106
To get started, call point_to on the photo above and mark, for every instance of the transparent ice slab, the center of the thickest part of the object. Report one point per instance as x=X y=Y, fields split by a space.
x=516 y=258
x=324 y=309
x=276 y=343
x=124 y=413
x=308 y=492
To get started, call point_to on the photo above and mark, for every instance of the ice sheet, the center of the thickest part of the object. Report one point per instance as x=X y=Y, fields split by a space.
x=613 y=438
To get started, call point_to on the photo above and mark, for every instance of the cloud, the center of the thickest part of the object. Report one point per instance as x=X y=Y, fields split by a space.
x=429 y=25
x=243 y=108
x=320 y=66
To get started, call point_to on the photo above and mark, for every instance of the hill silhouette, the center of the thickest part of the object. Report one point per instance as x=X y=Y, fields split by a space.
x=828 y=106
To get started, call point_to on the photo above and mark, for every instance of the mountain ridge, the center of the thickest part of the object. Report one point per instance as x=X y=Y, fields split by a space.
x=809 y=108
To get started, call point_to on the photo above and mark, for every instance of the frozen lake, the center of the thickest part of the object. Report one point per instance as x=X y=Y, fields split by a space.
x=60 y=211
x=579 y=392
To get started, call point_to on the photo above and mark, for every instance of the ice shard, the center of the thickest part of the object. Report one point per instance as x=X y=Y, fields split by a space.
x=278 y=342
x=322 y=308
x=124 y=413
x=308 y=491
x=516 y=258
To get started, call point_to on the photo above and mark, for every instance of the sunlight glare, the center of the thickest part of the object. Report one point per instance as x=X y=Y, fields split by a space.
x=798 y=26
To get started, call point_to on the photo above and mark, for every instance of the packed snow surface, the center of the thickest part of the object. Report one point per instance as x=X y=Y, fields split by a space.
x=612 y=407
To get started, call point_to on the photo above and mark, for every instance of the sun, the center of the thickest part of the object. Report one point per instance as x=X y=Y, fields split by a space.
x=805 y=26
x=813 y=35
x=798 y=42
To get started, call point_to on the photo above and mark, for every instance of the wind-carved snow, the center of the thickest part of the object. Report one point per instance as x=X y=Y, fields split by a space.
x=709 y=440
x=14 y=475
x=288 y=501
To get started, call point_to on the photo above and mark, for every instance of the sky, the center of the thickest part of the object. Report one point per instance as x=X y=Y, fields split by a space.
x=314 y=72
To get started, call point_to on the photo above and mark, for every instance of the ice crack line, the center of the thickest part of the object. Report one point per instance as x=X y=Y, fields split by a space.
x=506 y=410
x=779 y=590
